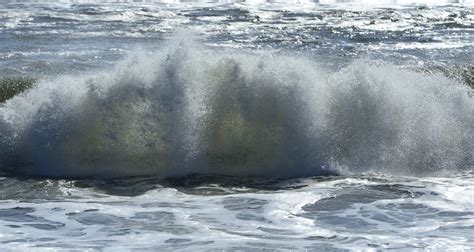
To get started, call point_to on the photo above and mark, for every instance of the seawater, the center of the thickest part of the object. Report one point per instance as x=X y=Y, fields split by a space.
x=237 y=125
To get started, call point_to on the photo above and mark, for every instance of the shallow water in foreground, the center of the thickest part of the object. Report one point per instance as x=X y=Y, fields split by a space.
x=235 y=213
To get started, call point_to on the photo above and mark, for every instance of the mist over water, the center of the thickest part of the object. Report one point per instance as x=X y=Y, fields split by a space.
x=184 y=110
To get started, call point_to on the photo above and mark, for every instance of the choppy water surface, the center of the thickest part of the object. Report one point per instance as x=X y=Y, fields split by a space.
x=209 y=213
x=247 y=125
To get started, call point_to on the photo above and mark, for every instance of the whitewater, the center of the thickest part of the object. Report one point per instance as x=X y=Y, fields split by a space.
x=236 y=125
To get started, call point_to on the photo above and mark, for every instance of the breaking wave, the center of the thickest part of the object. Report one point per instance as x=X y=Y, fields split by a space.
x=186 y=111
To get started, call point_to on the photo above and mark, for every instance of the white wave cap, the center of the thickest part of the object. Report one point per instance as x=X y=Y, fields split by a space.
x=184 y=111
x=396 y=2
x=263 y=2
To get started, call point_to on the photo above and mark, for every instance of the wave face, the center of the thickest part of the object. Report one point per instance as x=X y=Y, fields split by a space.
x=186 y=111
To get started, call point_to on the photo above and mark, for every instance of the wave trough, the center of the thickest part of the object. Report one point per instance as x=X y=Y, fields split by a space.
x=186 y=111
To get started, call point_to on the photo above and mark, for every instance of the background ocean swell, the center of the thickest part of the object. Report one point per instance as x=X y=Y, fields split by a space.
x=184 y=110
x=75 y=36
x=262 y=2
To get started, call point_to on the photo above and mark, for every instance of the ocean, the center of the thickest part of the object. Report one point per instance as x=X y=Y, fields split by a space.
x=236 y=125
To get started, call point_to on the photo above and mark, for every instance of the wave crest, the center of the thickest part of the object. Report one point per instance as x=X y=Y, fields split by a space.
x=183 y=111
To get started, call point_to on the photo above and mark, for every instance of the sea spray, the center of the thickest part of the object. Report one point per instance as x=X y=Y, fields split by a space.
x=398 y=121
x=260 y=117
x=184 y=110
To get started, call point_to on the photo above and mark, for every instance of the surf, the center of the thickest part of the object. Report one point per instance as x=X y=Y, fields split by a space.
x=186 y=110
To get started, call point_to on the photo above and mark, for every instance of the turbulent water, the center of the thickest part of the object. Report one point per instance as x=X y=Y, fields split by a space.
x=246 y=125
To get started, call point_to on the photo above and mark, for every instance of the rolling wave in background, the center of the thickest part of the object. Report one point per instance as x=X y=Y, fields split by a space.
x=264 y=2
x=184 y=110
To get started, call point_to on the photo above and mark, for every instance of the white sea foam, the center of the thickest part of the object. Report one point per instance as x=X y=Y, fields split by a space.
x=182 y=111
x=176 y=109
x=264 y=2
x=344 y=213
